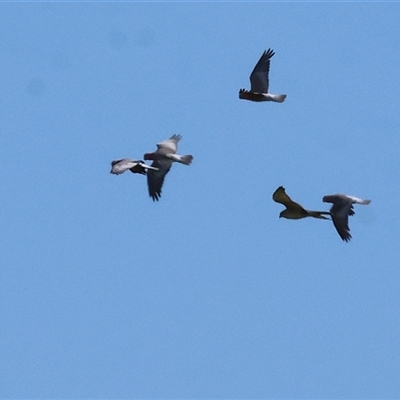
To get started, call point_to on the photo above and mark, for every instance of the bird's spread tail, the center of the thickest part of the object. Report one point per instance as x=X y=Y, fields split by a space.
x=358 y=200
x=319 y=214
x=278 y=98
x=187 y=160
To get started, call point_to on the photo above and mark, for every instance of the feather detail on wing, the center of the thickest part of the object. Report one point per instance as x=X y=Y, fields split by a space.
x=170 y=145
x=281 y=197
x=155 y=178
x=341 y=209
x=259 y=78
x=120 y=166
x=340 y=220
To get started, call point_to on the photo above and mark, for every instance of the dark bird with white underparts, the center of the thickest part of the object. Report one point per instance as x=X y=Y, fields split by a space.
x=294 y=210
x=135 y=166
x=341 y=210
x=163 y=158
x=259 y=80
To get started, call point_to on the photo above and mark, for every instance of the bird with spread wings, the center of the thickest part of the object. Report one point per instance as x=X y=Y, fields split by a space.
x=163 y=158
x=259 y=80
x=294 y=210
x=135 y=166
x=341 y=210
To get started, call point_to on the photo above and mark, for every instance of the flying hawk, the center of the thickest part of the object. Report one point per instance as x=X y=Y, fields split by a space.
x=163 y=158
x=137 y=167
x=294 y=210
x=259 y=82
x=341 y=210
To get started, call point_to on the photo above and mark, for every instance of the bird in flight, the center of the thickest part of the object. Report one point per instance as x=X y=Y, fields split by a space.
x=163 y=158
x=137 y=167
x=259 y=82
x=294 y=210
x=341 y=210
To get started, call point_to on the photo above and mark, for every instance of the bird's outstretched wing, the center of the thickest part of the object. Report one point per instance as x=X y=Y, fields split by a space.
x=137 y=167
x=170 y=145
x=120 y=166
x=259 y=78
x=280 y=196
x=155 y=178
x=340 y=211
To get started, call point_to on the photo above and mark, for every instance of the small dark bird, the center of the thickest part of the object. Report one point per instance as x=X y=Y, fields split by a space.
x=294 y=210
x=341 y=210
x=259 y=82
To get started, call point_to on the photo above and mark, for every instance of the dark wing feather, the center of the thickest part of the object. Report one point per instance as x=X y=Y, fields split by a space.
x=138 y=168
x=259 y=78
x=155 y=179
x=280 y=196
x=340 y=212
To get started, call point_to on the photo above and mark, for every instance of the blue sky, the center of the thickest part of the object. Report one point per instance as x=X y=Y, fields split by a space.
x=207 y=293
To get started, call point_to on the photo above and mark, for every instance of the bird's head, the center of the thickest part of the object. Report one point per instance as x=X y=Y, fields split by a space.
x=283 y=214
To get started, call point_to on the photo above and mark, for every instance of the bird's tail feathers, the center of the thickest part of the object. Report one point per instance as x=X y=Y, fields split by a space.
x=319 y=214
x=187 y=159
x=354 y=200
x=278 y=98
x=360 y=201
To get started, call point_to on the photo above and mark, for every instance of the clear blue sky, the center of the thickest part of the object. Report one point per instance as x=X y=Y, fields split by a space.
x=207 y=293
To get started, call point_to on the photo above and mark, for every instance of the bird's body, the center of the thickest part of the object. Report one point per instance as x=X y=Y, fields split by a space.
x=341 y=210
x=163 y=158
x=259 y=80
x=294 y=210
x=135 y=166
